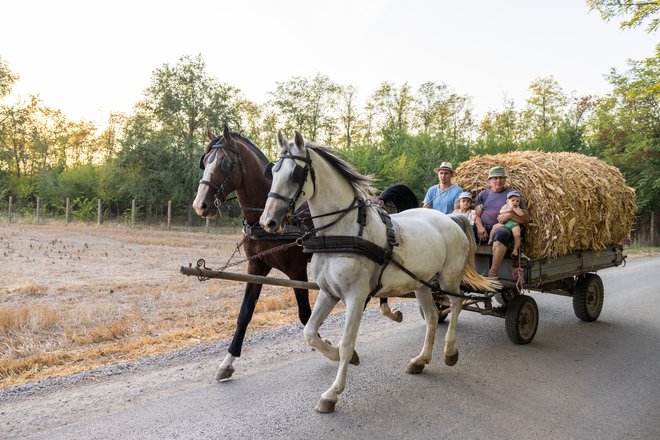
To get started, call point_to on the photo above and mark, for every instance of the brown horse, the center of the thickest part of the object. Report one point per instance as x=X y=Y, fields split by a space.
x=232 y=163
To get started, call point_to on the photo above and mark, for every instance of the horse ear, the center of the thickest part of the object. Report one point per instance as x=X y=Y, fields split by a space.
x=299 y=140
x=226 y=133
x=281 y=141
x=210 y=135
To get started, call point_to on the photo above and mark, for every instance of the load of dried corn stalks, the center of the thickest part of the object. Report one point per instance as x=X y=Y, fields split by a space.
x=575 y=202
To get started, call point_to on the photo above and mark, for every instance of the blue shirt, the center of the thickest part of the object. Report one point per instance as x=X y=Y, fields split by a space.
x=443 y=200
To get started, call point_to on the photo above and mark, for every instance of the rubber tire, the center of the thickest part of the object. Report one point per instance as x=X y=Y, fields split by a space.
x=588 y=297
x=521 y=319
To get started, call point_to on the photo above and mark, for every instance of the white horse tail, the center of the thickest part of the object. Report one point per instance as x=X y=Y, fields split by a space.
x=471 y=277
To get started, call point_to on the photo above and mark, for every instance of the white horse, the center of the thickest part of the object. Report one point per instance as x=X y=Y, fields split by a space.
x=430 y=244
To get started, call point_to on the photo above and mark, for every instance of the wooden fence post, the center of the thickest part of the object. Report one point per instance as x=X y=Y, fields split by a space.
x=9 y=211
x=652 y=238
x=208 y=220
x=67 y=211
x=169 y=215
x=133 y=213
x=98 y=213
x=37 y=216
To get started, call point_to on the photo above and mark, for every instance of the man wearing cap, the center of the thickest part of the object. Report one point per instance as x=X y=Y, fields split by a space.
x=443 y=196
x=487 y=208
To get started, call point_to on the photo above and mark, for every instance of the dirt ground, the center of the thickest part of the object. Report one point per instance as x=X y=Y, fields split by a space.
x=75 y=297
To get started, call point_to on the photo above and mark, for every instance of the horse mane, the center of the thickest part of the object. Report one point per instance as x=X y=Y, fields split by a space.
x=252 y=147
x=361 y=182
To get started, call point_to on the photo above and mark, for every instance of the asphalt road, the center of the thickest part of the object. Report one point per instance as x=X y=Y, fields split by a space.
x=576 y=380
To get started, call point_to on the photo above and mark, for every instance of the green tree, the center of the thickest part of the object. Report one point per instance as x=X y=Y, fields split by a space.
x=348 y=114
x=184 y=100
x=15 y=135
x=545 y=106
x=307 y=105
x=625 y=126
x=181 y=103
x=500 y=132
x=634 y=13
x=7 y=78
x=394 y=106
x=431 y=106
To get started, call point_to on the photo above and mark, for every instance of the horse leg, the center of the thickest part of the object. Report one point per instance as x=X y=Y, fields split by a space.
x=302 y=298
x=388 y=313
x=425 y=301
x=450 y=350
x=322 y=308
x=250 y=297
x=346 y=352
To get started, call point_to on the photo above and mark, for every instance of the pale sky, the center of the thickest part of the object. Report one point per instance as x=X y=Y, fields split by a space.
x=90 y=57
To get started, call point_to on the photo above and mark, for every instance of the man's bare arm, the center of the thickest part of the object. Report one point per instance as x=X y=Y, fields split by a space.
x=522 y=217
x=481 y=230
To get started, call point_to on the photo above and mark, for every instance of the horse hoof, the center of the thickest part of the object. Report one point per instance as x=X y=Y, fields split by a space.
x=355 y=360
x=414 y=368
x=451 y=360
x=398 y=316
x=224 y=374
x=325 y=406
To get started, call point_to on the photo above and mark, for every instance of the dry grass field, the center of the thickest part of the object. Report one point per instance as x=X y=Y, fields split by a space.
x=75 y=297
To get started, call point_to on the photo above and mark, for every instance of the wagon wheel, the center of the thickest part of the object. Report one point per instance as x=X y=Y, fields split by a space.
x=588 y=297
x=439 y=303
x=522 y=319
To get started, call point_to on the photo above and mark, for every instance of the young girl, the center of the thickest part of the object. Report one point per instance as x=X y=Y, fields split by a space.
x=465 y=206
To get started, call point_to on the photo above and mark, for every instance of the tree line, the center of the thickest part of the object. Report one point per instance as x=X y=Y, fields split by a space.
x=396 y=133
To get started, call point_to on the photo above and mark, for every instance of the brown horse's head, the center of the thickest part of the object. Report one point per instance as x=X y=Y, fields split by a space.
x=223 y=172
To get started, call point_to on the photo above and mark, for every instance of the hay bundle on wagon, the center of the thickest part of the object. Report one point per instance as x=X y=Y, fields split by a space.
x=576 y=202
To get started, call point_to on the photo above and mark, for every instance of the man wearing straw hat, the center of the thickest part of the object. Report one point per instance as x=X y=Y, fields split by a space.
x=443 y=196
x=487 y=208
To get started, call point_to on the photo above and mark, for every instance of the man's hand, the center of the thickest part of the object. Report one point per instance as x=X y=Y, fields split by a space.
x=502 y=218
x=481 y=232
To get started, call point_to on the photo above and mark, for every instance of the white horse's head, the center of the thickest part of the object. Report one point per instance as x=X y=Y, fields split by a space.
x=293 y=183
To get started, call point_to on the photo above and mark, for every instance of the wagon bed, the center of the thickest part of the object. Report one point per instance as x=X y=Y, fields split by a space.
x=549 y=274
x=570 y=275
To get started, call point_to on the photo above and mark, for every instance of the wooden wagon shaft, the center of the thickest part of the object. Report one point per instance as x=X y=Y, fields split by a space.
x=248 y=278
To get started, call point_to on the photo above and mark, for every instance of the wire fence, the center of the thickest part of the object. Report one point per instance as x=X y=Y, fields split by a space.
x=95 y=211
x=646 y=231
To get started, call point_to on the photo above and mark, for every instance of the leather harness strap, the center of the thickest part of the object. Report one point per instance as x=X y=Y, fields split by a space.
x=349 y=244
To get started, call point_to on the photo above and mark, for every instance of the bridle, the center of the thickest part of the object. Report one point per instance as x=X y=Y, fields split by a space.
x=298 y=176
x=227 y=166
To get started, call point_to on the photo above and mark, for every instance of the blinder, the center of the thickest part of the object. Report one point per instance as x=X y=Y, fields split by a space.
x=268 y=171
x=297 y=176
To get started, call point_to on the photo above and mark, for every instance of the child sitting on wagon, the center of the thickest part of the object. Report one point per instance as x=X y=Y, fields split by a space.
x=465 y=206
x=512 y=204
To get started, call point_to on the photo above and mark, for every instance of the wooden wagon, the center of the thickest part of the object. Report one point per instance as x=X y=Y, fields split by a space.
x=573 y=275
